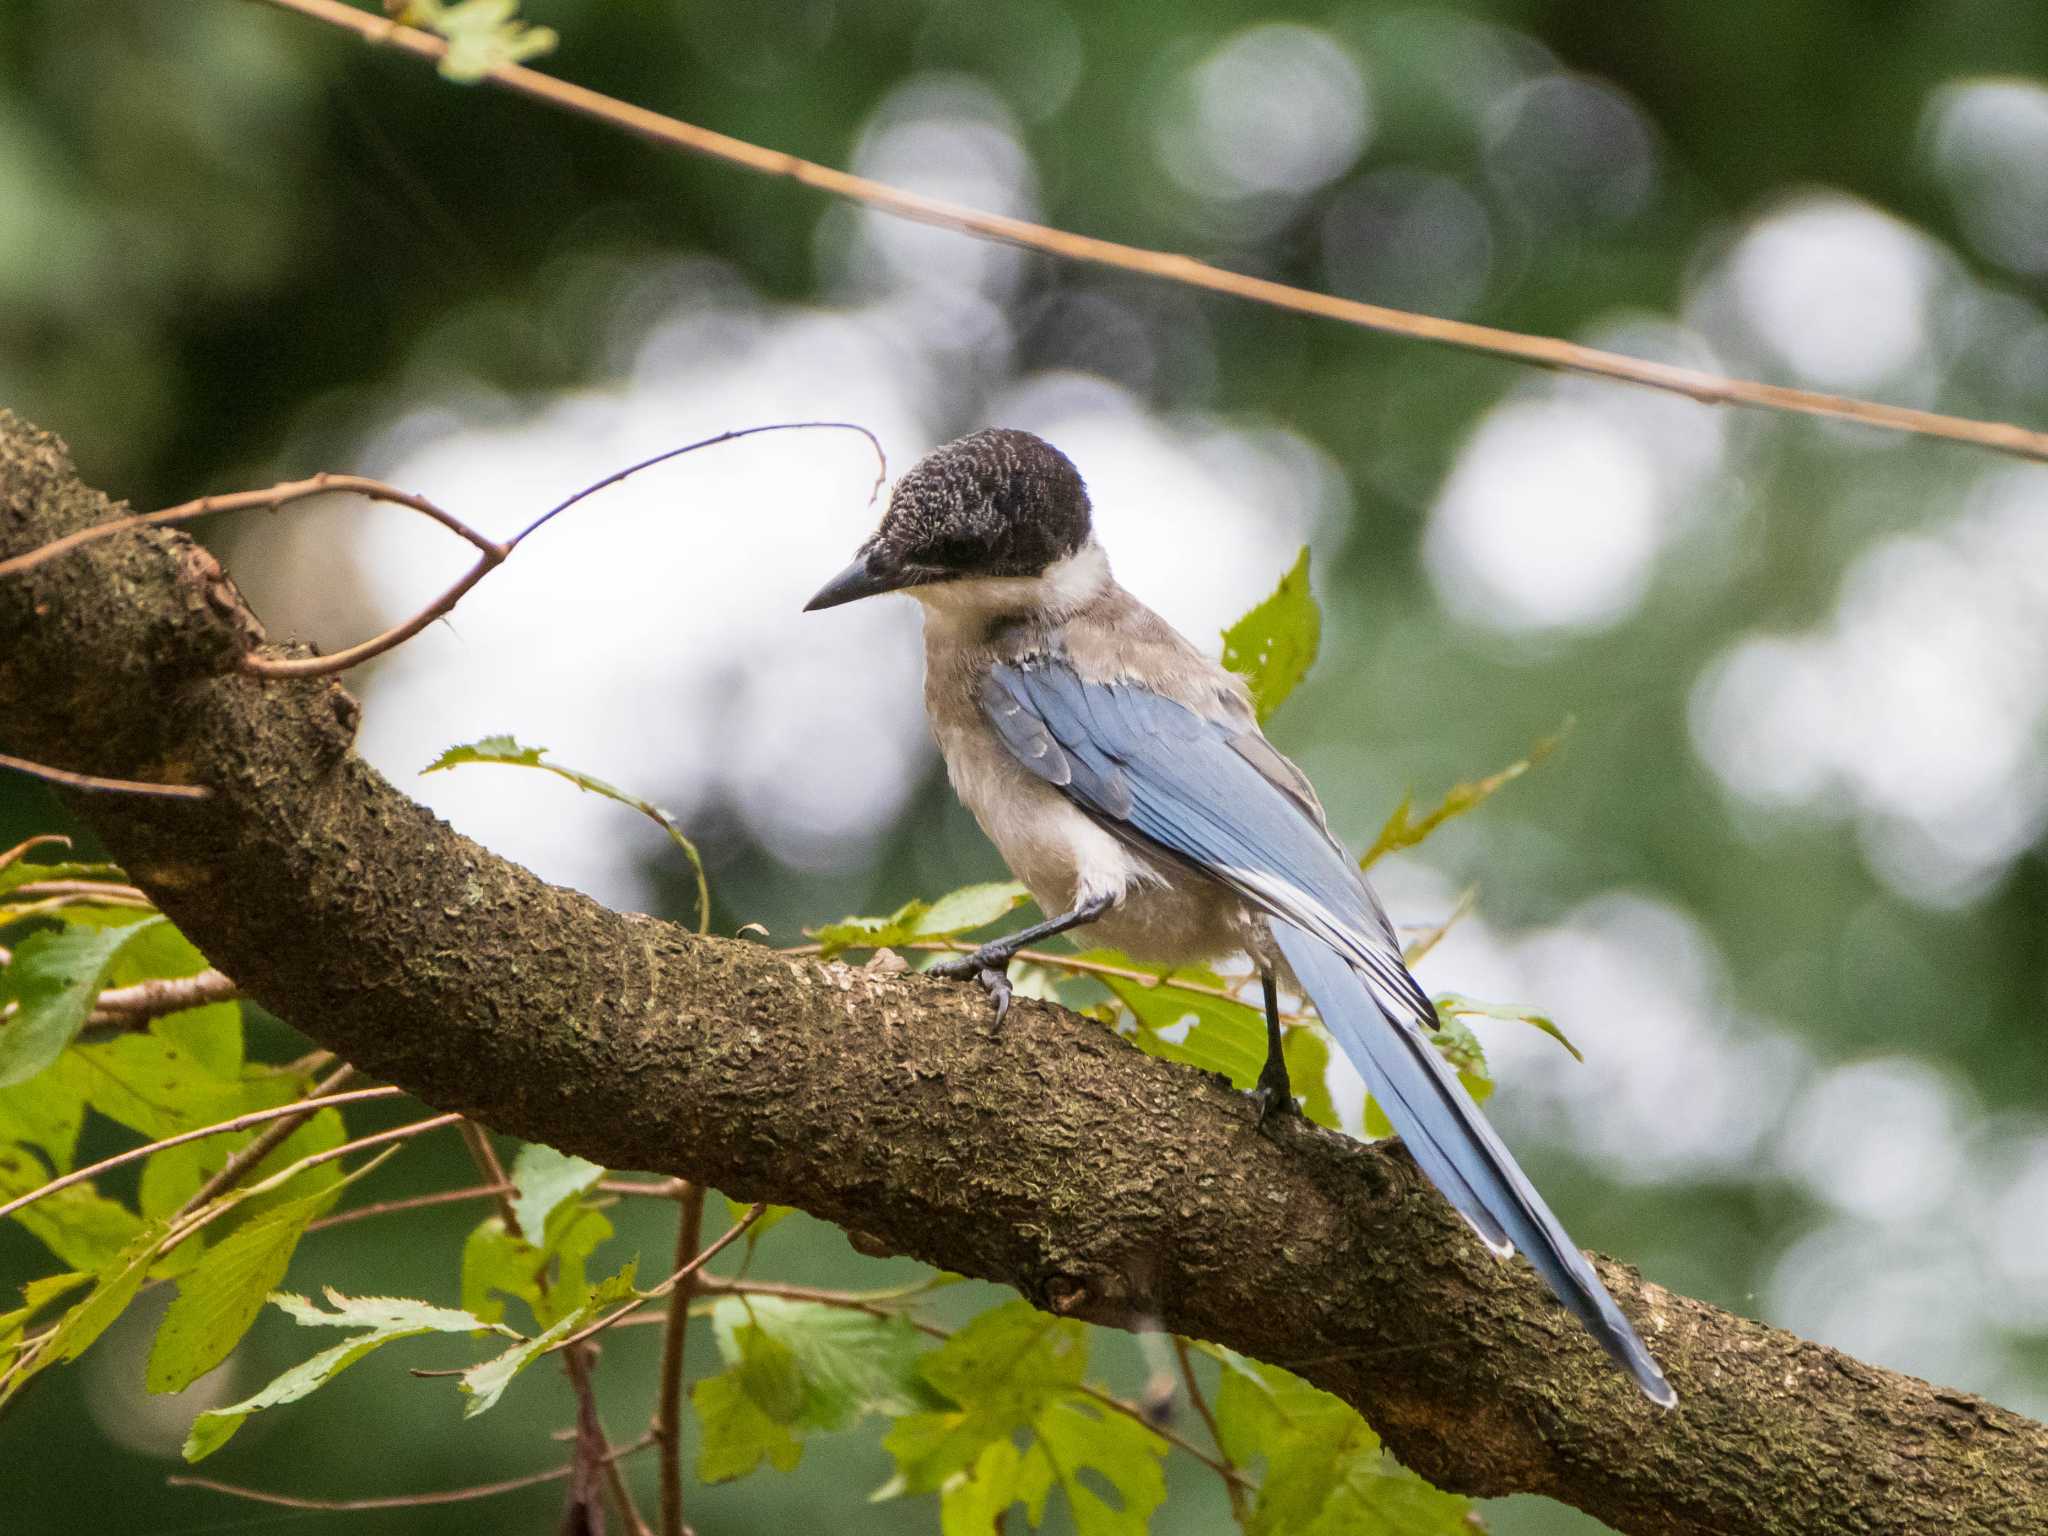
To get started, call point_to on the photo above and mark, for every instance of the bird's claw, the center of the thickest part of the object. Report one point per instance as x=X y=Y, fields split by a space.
x=991 y=971
x=1274 y=1098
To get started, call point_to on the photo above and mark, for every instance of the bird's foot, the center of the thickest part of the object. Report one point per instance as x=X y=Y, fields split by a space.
x=1274 y=1097
x=989 y=967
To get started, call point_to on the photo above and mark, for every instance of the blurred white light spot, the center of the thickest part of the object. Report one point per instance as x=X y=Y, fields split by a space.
x=1990 y=143
x=1917 y=708
x=1550 y=519
x=1878 y=1139
x=1569 y=147
x=1278 y=108
x=951 y=137
x=1410 y=240
x=1837 y=290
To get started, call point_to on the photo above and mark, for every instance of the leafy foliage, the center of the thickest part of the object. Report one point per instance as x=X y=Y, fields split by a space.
x=1404 y=829
x=381 y=1319
x=962 y=911
x=484 y=1384
x=507 y=752
x=1274 y=645
x=52 y=981
x=1325 y=1471
x=1015 y=1370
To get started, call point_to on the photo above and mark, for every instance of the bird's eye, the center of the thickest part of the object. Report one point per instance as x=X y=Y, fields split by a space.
x=955 y=552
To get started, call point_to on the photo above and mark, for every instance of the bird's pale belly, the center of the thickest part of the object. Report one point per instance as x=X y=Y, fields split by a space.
x=1165 y=914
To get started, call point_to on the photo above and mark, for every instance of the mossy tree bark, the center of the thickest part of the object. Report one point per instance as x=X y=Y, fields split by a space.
x=1048 y=1155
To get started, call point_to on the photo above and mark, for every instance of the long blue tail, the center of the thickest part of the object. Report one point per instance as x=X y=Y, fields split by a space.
x=1444 y=1132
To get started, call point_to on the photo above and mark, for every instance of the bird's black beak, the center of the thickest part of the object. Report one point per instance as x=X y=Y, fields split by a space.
x=858 y=580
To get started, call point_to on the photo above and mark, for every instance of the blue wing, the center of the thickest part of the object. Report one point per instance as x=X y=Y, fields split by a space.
x=1152 y=770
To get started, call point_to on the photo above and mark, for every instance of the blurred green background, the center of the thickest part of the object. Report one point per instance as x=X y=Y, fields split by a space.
x=1785 y=884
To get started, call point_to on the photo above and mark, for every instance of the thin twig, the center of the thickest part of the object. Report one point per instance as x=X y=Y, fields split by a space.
x=402 y=1500
x=1543 y=351
x=718 y=1246
x=409 y=1203
x=576 y=1363
x=238 y=1123
x=266 y=1141
x=1187 y=1372
x=667 y=1427
x=132 y=1007
x=72 y=780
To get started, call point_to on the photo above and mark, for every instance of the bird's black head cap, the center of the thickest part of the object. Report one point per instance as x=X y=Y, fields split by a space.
x=997 y=502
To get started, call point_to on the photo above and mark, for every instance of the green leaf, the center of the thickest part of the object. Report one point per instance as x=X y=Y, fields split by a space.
x=957 y=912
x=36 y=1296
x=114 y=1286
x=1274 y=645
x=158 y=1088
x=1015 y=1368
x=495 y=1261
x=542 y=1179
x=484 y=1384
x=771 y=1218
x=385 y=1318
x=1218 y=1034
x=735 y=1434
x=1405 y=830
x=1461 y=1048
x=54 y=978
x=1079 y=1435
x=1455 y=1005
x=220 y=1297
x=1325 y=1471
x=45 y=1112
x=846 y=1363
x=508 y=753
x=79 y=1225
x=211 y=1036
x=174 y=1175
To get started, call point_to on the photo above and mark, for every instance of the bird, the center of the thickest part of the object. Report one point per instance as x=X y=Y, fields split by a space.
x=1124 y=779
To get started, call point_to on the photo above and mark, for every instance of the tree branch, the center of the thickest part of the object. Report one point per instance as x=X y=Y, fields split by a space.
x=1050 y=1156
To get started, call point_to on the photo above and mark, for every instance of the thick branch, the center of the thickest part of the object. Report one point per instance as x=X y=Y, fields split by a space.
x=1051 y=1156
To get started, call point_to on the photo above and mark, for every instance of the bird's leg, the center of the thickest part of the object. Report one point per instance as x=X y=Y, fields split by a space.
x=1274 y=1094
x=990 y=964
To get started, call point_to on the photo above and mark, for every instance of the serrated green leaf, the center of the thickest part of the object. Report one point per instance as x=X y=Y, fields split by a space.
x=494 y=1261
x=847 y=1363
x=506 y=752
x=1014 y=1368
x=82 y=1227
x=484 y=1384
x=387 y=1318
x=377 y=1313
x=1455 y=1005
x=1081 y=1436
x=53 y=979
x=220 y=1297
x=1274 y=645
x=735 y=1436
x=957 y=912
x=1325 y=1471
x=1404 y=829
x=542 y=1179
x=36 y=1297
x=114 y=1286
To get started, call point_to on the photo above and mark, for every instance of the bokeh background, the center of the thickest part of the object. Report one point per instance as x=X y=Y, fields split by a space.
x=1785 y=884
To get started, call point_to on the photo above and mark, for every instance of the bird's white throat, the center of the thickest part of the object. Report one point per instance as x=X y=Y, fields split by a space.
x=1063 y=588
